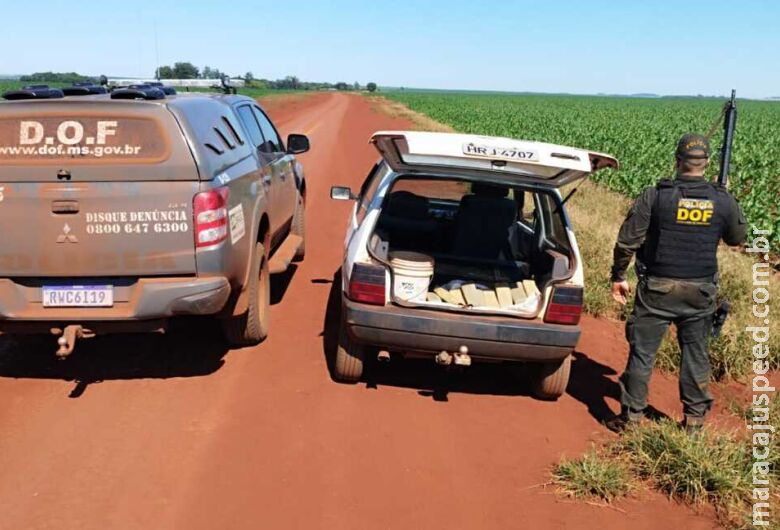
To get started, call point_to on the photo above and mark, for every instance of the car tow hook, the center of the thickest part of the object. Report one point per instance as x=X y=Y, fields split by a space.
x=462 y=358
x=67 y=338
x=444 y=359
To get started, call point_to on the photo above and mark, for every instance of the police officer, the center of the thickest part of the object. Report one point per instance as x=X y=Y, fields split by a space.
x=674 y=229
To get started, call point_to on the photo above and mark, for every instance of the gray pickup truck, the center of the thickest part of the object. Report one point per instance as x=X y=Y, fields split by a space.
x=121 y=210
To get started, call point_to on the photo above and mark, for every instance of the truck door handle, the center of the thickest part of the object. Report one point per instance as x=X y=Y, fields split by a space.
x=64 y=206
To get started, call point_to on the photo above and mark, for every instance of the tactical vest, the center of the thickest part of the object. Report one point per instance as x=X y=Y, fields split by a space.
x=686 y=224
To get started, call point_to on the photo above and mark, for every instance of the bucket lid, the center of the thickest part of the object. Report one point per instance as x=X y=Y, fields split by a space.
x=411 y=260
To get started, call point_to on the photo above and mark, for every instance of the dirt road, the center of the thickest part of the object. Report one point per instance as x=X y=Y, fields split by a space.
x=176 y=432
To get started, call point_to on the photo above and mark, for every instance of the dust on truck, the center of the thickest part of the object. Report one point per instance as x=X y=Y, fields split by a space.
x=119 y=211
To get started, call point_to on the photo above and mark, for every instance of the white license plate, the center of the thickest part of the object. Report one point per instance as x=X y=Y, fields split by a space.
x=78 y=296
x=502 y=153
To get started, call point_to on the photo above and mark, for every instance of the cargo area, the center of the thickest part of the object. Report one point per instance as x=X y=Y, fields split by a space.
x=478 y=247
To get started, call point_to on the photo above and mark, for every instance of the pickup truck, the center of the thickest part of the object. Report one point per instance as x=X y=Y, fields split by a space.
x=121 y=210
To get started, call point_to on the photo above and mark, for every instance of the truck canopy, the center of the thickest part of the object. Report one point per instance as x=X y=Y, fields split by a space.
x=98 y=140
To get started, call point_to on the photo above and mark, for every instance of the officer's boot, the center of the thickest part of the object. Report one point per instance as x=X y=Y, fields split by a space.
x=625 y=420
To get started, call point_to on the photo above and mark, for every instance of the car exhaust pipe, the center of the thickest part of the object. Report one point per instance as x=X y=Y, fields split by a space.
x=383 y=356
x=67 y=338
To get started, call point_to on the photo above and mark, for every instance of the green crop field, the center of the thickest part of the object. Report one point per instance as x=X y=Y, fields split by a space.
x=640 y=132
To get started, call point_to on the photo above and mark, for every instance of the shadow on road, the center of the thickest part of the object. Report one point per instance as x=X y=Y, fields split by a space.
x=590 y=384
x=281 y=282
x=191 y=348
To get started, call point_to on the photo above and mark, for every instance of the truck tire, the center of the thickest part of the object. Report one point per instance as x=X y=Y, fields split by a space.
x=299 y=227
x=348 y=366
x=552 y=379
x=251 y=327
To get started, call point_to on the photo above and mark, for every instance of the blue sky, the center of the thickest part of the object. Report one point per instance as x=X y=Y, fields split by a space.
x=666 y=47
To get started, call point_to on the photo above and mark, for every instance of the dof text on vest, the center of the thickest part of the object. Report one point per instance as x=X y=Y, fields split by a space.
x=686 y=224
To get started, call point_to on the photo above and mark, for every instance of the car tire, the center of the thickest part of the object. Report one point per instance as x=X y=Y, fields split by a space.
x=348 y=365
x=299 y=226
x=251 y=327
x=552 y=379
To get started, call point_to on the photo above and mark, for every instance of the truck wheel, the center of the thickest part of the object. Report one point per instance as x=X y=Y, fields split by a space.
x=552 y=379
x=299 y=227
x=348 y=367
x=251 y=327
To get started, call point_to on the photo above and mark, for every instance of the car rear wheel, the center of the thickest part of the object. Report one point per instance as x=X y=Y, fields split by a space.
x=552 y=379
x=348 y=366
x=299 y=226
x=251 y=327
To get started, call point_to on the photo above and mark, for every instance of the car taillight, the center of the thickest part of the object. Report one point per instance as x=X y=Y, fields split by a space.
x=210 y=211
x=565 y=306
x=367 y=284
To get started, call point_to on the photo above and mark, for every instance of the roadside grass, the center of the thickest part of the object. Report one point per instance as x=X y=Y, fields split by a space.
x=593 y=476
x=394 y=109
x=713 y=468
x=597 y=214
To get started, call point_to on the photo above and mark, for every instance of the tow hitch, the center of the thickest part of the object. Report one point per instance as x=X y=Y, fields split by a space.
x=67 y=338
x=459 y=358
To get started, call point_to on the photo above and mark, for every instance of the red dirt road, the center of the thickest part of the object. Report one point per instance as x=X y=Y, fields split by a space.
x=176 y=432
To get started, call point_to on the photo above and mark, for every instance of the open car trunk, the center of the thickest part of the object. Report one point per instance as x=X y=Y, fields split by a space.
x=486 y=248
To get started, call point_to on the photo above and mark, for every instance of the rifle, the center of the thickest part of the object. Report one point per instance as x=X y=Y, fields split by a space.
x=729 y=123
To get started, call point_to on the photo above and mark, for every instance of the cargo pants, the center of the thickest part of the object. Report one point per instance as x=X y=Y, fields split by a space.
x=690 y=305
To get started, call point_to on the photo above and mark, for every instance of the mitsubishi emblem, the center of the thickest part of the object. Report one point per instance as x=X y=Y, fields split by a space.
x=66 y=236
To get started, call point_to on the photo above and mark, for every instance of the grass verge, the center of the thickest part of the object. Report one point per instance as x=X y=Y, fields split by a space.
x=420 y=122
x=593 y=477
x=712 y=468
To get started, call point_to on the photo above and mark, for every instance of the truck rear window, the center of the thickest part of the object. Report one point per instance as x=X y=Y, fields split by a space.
x=53 y=139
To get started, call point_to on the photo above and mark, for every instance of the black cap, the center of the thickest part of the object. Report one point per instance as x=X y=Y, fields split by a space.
x=693 y=146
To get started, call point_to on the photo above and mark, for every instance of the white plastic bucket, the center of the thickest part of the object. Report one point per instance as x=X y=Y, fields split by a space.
x=412 y=273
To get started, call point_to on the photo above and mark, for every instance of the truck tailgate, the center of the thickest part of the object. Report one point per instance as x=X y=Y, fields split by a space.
x=97 y=229
x=95 y=189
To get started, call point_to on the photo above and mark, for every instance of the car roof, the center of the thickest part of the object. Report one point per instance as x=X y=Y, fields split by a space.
x=468 y=155
x=171 y=100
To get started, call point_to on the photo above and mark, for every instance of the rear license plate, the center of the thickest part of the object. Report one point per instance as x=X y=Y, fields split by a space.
x=504 y=153
x=78 y=296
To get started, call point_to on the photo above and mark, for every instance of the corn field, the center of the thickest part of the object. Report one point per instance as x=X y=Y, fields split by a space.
x=641 y=132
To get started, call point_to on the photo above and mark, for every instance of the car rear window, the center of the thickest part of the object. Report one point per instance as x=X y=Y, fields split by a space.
x=93 y=138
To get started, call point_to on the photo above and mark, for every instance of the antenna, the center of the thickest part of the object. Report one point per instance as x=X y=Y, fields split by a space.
x=156 y=54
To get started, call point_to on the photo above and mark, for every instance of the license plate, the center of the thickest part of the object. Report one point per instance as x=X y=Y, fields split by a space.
x=503 y=153
x=78 y=296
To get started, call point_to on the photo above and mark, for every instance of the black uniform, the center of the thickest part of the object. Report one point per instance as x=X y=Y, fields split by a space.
x=674 y=229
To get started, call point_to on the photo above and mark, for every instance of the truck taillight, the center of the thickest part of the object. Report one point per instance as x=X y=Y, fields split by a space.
x=565 y=306
x=367 y=284
x=210 y=210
